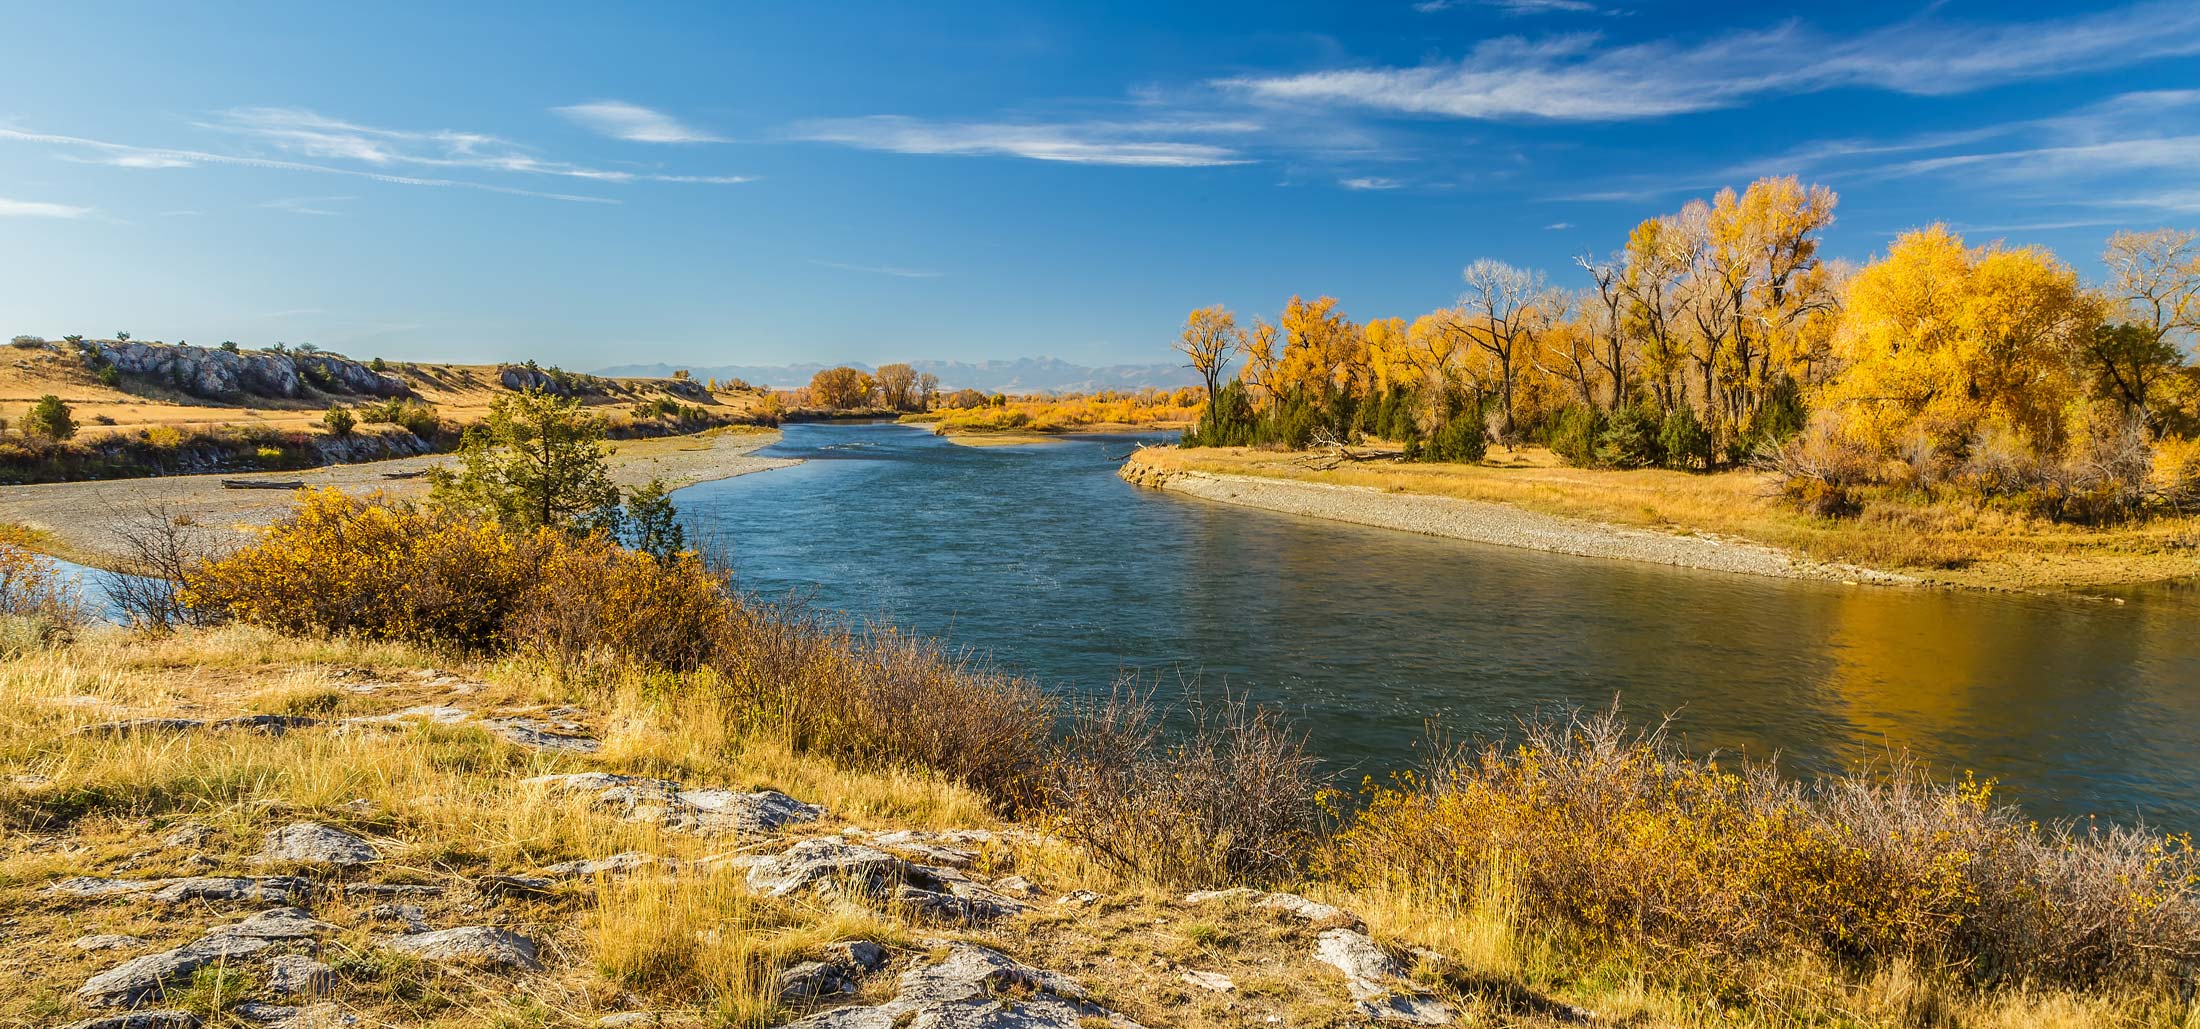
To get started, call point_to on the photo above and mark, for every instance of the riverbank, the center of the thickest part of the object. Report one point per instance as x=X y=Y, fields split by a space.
x=1724 y=522
x=230 y=827
x=76 y=521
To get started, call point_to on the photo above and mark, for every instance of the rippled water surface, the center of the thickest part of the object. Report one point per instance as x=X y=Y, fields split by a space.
x=1041 y=558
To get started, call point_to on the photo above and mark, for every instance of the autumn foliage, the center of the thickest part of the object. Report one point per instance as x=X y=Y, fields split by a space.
x=1716 y=335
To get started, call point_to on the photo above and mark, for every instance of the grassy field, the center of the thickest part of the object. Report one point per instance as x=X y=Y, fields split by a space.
x=1943 y=543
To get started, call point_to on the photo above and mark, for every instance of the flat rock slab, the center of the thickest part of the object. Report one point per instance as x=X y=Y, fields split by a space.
x=141 y=1020
x=702 y=811
x=290 y=975
x=311 y=843
x=1214 y=981
x=273 y=725
x=100 y=886
x=961 y=991
x=827 y=860
x=139 y=980
x=1289 y=903
x=286 y=1016
x=1375 y=980
x=536 y=734
x=280 y=889
x=479 y=945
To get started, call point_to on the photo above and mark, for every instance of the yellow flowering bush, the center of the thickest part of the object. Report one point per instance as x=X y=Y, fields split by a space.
x=1629 y=841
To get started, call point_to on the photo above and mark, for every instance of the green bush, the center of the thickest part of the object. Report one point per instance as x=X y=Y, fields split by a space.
x=1687 y=445
x=412 y=415
x=1574 y=436
x=1630 y=439
x=1460 y=440
x=339 y=421
x=49 y=418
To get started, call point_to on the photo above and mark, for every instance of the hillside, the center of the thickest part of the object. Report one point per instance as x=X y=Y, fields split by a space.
x=170 y=385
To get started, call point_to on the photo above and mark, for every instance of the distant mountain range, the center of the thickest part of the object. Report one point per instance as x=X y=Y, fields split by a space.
x=1022 y=375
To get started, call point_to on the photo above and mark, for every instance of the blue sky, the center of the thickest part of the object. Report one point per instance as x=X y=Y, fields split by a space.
x=596 y=184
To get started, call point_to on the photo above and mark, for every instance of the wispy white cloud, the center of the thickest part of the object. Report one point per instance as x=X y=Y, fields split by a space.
x=877 y=269
x=1578 y=77
x=309 y=134
x=207 y=157
x=621 y=120
x=40 y=209
x=308 y=205
x=1513 y=7
x=1558 y=226
x=1369 y=182
x=1138 y=144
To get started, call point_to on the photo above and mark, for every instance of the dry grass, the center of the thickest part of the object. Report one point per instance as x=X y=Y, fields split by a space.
x=698 y=947
x=1943 y=543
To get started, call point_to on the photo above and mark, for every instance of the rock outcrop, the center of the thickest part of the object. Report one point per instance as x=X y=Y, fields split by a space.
x=311 y=843
x=703 y=811
x=967 y=988
x=481 y=946
x=225 y=374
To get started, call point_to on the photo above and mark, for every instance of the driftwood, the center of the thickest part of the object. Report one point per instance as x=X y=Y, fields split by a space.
x=405 y=475
x=1326 y=451
x=263 y=484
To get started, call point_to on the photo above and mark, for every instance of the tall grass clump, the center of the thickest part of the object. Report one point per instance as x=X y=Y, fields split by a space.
x=1625 y=839
x=1228 y=797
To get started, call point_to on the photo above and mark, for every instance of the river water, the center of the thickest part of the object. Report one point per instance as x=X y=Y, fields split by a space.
x=1040 y=559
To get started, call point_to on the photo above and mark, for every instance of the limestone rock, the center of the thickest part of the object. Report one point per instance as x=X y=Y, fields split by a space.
x=1078 y=899
x=291 y=975
x=1214 y=981
x=99 y=886
x=539 y=735
x=391 y=890
x=285 y=1016
x=826 y=860
x=471 y=945
x=280 y=889
x=141 y=1020
x=811 y=980
x=188 y=836
x=962 y=990
x=708 y=811
x=1375 y=980
x=311 y=843
x=1307 y=910
x=138 y=980
x=409 y=915
x=857 y=955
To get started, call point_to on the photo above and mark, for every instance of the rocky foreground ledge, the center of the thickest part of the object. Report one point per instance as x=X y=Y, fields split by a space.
x=327 y=920
x=1496 y=524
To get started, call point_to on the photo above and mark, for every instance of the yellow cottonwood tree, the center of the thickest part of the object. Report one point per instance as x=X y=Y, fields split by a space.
x=1942 y=340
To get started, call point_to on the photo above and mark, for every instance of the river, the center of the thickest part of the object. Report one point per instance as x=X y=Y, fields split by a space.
x=1043 y=561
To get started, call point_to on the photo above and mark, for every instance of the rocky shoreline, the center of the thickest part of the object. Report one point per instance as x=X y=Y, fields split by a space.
x=1499 y=525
